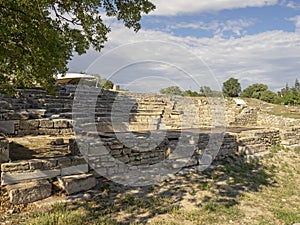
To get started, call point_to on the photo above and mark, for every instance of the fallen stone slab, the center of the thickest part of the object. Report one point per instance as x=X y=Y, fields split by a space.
x=13 y=178
x=27 y=192
x=76 y=183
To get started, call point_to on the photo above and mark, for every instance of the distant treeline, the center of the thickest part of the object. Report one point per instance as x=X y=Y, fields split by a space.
x=232 y=88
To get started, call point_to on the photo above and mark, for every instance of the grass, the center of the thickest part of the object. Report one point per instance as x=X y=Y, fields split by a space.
x=275 y=109
x=234 y=192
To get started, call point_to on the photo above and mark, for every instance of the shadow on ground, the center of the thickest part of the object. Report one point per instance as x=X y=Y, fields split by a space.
x=219 y=186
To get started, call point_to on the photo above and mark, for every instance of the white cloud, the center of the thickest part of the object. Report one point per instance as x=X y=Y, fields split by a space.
x=291 y=4
x=269 y=57
x=175 y=7
x=237 y=27
x=296 y=19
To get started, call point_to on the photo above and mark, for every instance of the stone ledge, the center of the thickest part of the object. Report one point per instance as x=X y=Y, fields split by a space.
x=76 y=183
x=16 y=177
x=31 y=165
x=27 y=192
x=13 y=178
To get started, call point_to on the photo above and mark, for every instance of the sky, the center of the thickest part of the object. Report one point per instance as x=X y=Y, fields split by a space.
x=190 y=44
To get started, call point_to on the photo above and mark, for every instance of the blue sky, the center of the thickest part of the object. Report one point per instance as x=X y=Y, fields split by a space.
x=255 y=41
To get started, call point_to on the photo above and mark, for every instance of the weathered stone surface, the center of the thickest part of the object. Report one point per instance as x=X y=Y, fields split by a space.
x=9 y=126
x=60 y=123
x=42 y=164
x=64 y=162
x=27 y=192
x=4 y=150
x=58 y=141
x=72 y=170
x=13 y=178
x=46 y=123
x=76 y=183
x=29 y=124
x=73 y=147
x=15 y=166
x=77 y=160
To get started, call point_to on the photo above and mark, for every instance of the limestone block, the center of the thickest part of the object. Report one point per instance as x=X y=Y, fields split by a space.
x=13 y=178
x=73 y=147
x=29 y=124
x=47 y=132
x=42 y=164
x=72 y=170
x=77 y=160
x=15 y=166
x=46 y=124
x=65 y=131
x=22 y=115
x=64 y=162
x=57 y=141
x=61 y=123
x=4 y=150
x=76 y=183
x=27 y=192
x=9 y=126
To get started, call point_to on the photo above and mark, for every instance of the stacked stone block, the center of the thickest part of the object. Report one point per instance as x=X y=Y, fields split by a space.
x=4 y=150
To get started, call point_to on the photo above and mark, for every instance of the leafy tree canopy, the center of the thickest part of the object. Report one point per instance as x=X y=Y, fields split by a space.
x=208 y=92
x=190 y=93
x=231 y=87
x=290 y=95
x=269 y=96
x=172 y=90
x=254 y=91
x=38 y=37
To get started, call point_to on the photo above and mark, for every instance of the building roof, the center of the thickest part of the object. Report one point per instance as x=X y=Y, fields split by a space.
x=74 y=76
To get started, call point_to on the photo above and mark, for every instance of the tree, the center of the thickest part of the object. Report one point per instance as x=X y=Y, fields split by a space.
x=231 y=87
x=172 y=90
x=208 y=92
x=290 y=95
x=254 y=91
x=190 y=93
x=105 y=84
x=297 y=85
x=205 y=91
x=269 y=96
x=38 y=38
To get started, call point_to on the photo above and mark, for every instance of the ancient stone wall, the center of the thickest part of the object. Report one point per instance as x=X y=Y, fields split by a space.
x=135 y=117
x=39 y=113
x=267 y=120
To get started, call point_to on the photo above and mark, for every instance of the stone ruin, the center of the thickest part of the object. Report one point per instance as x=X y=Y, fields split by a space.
x=166 y=122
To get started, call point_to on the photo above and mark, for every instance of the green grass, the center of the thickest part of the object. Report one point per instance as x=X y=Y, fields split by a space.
x=287 y=216
x=275 y=109
x=263 y=193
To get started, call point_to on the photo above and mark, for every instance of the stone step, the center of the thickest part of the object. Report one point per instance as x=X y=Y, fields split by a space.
x=77 y=183
x=289 y=135
x=252 y=149
x=289 y=142
x=26 y=192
